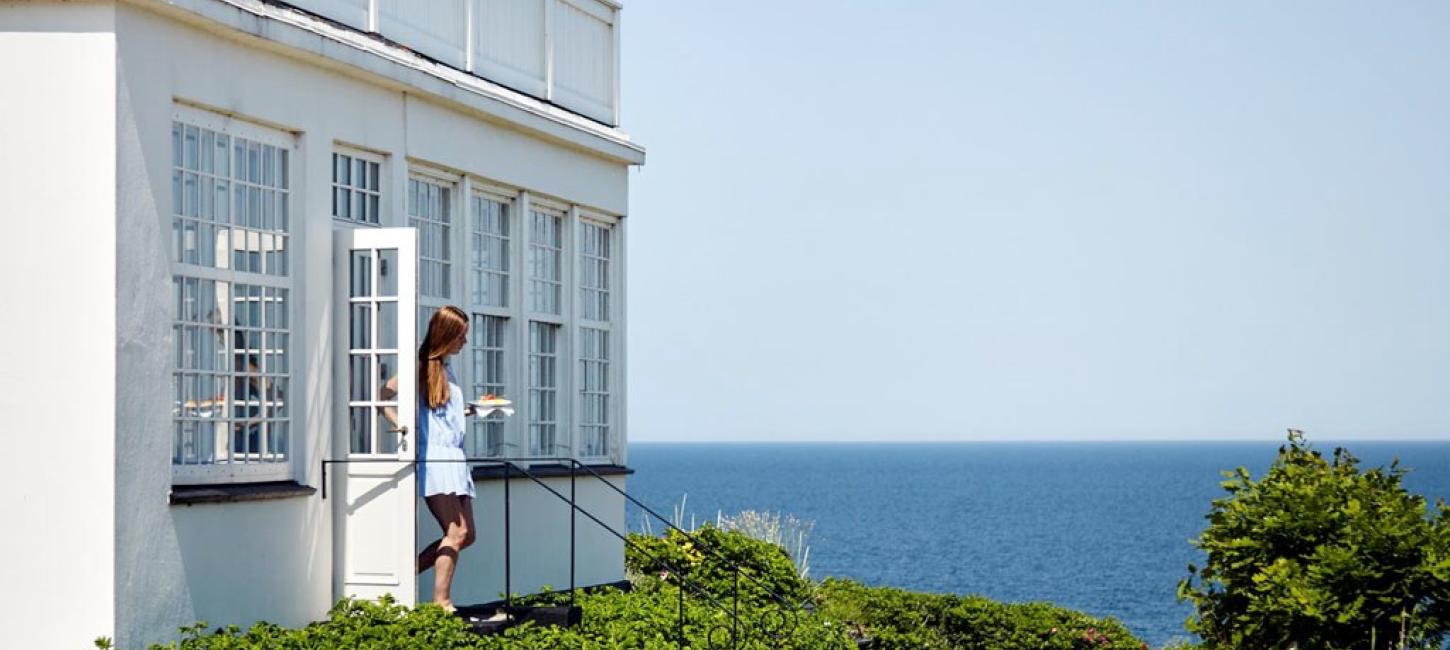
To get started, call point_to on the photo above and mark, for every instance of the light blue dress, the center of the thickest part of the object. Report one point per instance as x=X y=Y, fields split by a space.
x=440 y=437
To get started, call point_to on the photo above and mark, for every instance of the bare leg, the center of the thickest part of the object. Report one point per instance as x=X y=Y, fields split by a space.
x=455 y=516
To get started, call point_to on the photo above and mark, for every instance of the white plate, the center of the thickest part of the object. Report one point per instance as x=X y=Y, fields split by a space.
x=485 y=411
x=480 y=405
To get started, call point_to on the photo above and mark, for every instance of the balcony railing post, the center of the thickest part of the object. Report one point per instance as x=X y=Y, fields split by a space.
x=508 y=589
x=682 y=612
x=735 y=613
x=573 y=508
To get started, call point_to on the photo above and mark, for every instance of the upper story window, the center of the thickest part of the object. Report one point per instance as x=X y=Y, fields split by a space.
x=489 y=251
x=546 y=251
x=356 y=187
x=231 y=366
x=430 y=211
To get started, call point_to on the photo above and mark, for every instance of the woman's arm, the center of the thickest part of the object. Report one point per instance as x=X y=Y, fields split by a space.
x=389 y=391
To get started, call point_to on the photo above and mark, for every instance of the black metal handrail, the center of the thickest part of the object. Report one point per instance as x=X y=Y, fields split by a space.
x=691 y=536
x=511 y=464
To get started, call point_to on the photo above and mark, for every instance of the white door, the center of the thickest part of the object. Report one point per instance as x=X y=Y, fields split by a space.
x=374 y=512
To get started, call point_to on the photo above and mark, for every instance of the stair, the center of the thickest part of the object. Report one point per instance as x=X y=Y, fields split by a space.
x=481 y=617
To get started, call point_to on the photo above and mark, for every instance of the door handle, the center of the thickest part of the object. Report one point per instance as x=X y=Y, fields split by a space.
x=402 y=432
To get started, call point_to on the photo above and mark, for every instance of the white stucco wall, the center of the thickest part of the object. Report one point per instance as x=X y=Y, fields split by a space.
x=57 y=179
x=272 y=560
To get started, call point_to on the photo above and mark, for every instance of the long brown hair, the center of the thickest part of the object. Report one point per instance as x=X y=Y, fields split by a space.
x=445 y=327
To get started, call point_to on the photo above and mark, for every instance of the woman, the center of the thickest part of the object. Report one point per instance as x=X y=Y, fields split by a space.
x=447 y=486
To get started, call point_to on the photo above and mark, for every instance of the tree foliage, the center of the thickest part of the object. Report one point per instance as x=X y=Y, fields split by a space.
x=1321 y=554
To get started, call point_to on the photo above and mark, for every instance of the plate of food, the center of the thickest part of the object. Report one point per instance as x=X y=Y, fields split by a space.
x=487 y=403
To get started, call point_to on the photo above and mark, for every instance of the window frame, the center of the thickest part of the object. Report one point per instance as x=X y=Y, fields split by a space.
x=515 y=379
x=560 y=371
x=564 y=282
x=180 y=271
x=378 y=159
x=510 y=308
x=477 y=426
x=606 y=326
x=454 y=274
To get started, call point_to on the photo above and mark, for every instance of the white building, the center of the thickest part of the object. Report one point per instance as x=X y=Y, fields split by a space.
x=227 y=220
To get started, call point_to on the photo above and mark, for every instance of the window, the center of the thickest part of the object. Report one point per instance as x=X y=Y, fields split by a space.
x=593 y=271
x=546 y=248
x=489 y=376
x=593 y=392
x=489 y=248
x=543 y=387
x=487 y=288
x=356 y=193
x=430 y=212
x=230 y=228
x=595 y=250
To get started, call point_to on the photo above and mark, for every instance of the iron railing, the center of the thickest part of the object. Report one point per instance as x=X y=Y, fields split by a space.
x=776 y=624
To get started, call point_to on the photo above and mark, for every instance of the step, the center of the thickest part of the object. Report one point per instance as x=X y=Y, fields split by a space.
x=481 y=617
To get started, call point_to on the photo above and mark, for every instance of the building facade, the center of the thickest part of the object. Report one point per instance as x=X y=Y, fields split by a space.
x=233 y=219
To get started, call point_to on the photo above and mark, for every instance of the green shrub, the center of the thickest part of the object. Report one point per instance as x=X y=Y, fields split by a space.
x=901 y=620
x=771 y=567
x=894 y=619
x=350 y=624
x=643 y=619
x=1319 y=554
x=977 y=623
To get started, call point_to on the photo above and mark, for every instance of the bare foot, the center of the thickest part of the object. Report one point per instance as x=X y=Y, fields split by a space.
x=446 y=605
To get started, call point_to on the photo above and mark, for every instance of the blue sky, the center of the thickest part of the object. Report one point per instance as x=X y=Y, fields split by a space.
x=988 y=221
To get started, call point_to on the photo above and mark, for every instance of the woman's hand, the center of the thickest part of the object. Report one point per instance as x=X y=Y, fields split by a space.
x=469 y=409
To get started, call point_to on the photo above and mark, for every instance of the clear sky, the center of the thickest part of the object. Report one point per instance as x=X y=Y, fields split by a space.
x=907 y=220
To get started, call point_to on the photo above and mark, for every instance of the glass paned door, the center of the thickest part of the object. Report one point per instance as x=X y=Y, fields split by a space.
x=375 y=281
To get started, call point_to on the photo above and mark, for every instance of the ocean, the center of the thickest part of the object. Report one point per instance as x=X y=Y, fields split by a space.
x=1101 y=527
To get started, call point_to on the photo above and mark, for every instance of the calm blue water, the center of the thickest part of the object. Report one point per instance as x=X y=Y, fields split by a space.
x=1099 y=527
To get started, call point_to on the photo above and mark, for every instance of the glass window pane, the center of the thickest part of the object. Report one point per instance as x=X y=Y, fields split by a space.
x=388 y=272
x=361 y=338
x=387 y=325
x=362 y=274
x=387 y=371
x=359 y=377
x=388 y=439
x=360 y=440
